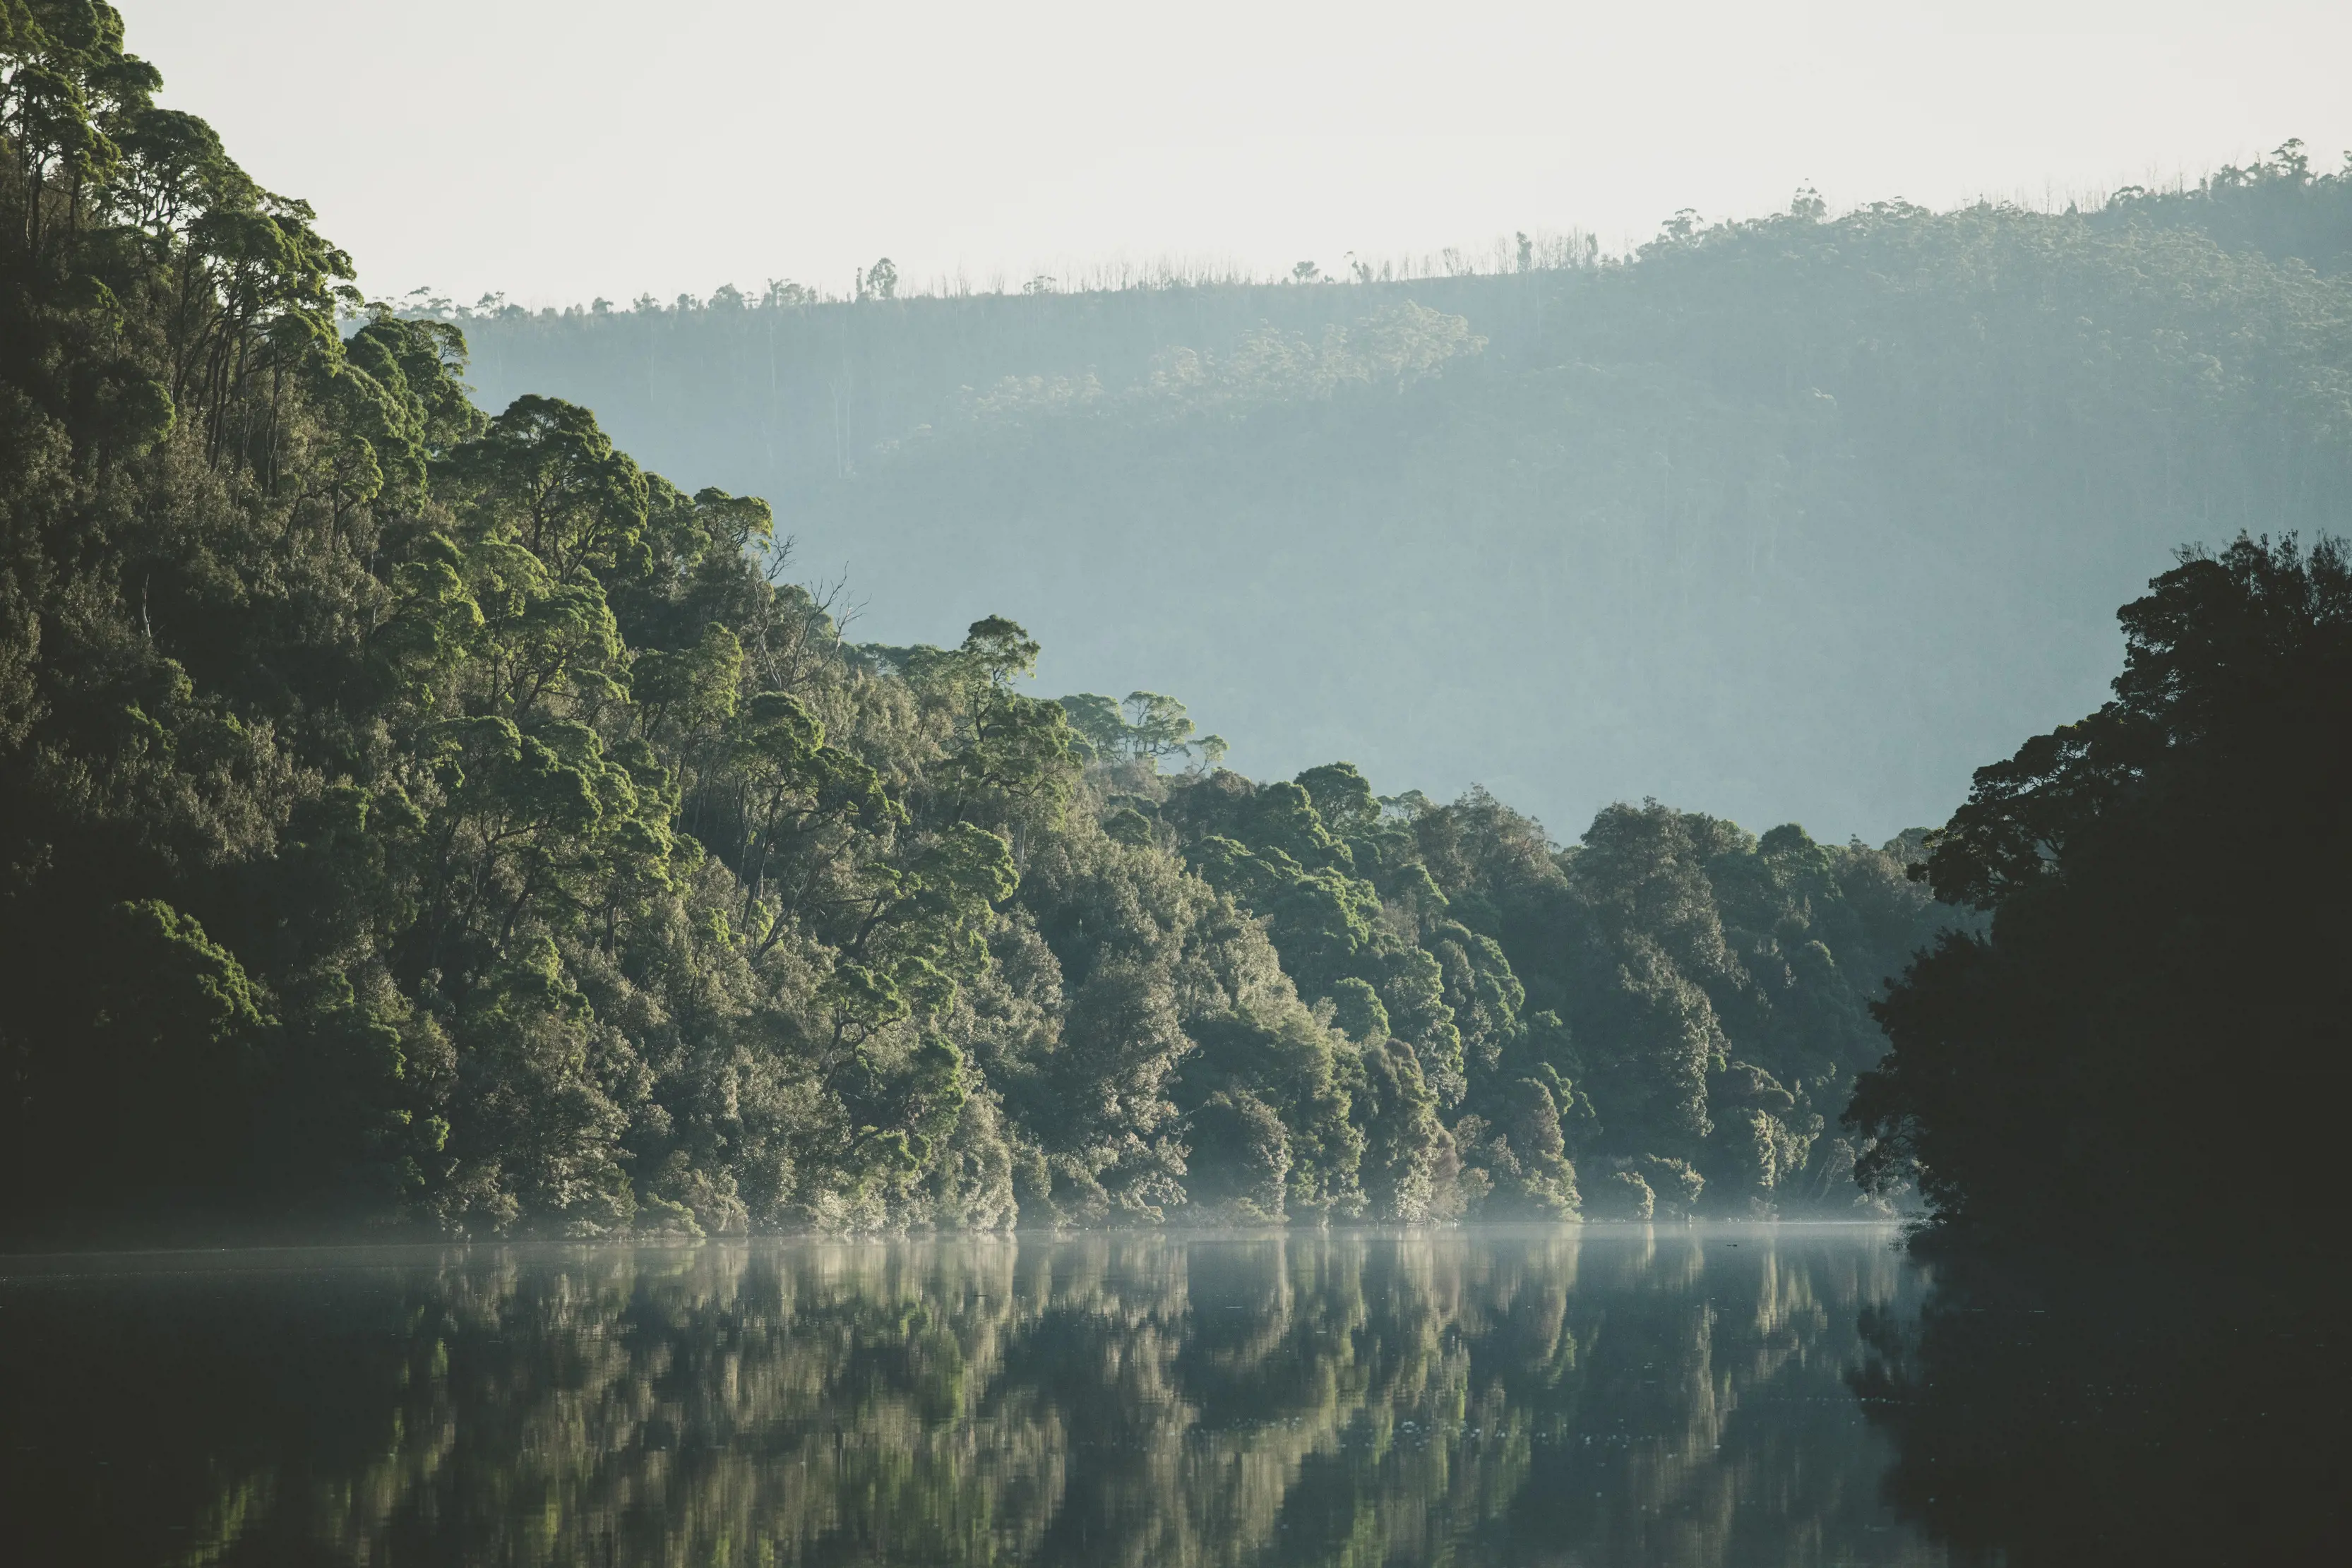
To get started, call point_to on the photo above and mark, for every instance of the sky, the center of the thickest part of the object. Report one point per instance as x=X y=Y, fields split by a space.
x=555 y=151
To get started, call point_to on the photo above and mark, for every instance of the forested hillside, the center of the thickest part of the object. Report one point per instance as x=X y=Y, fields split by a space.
x=430 y=818
x=1799 y=516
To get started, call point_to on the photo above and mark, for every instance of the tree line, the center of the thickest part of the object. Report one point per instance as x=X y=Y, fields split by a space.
x=433 y=818
x=1690 y=521
x=2152 y=1015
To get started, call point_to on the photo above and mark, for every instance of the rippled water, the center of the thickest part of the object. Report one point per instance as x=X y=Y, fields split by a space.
x=1613 y=1395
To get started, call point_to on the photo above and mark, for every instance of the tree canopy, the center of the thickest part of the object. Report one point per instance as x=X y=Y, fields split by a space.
x=436 y=819
x=2155 y=1013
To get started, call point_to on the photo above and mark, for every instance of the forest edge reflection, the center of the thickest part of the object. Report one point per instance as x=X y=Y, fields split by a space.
x=1637 y=1393
x=1620 y=1394
x=2168 y=1412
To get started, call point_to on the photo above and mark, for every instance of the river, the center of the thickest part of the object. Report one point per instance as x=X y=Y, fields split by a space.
x=1595 y=1395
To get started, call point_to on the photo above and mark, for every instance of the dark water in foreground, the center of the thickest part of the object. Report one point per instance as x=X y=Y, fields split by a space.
x=1613 y=1396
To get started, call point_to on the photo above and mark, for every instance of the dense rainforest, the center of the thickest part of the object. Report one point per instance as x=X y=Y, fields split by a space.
x=434 y=817
x=1800 y=517
x=421 y=816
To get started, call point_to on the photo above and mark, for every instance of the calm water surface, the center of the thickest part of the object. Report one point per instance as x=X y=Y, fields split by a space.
x=1609 y=1396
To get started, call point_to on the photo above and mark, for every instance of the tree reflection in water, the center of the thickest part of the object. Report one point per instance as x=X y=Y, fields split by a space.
x=2143 y=1416
x=1616 y=1395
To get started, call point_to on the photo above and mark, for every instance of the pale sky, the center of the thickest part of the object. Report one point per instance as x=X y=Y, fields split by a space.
x=556 y=150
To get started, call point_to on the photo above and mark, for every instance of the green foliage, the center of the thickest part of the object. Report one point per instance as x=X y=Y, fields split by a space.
x=2275 y=204
x=435 y=820
x=1147 y=725
x=1243 y=1152
x=2158 y=966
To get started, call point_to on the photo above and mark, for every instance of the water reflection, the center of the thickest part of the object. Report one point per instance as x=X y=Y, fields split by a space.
x=1616 y=1395
x=2148 y=1415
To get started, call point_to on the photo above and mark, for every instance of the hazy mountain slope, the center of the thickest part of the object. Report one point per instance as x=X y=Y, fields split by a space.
x=1800 y=518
